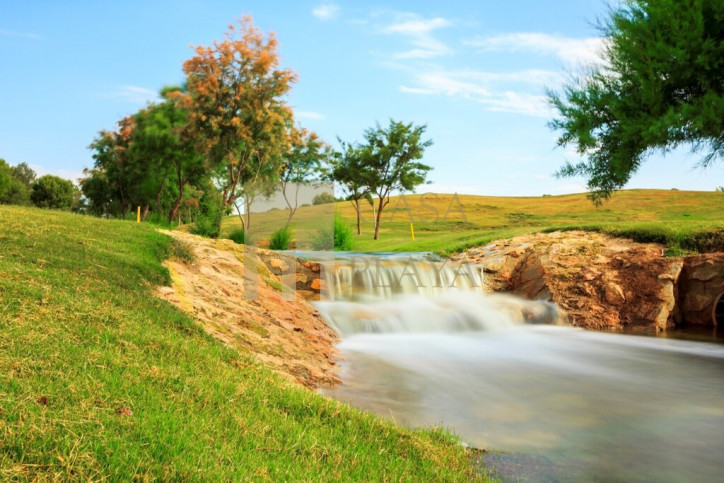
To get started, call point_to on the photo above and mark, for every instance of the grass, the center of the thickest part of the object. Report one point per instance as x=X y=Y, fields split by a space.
x=100 y=379
x=682 y=220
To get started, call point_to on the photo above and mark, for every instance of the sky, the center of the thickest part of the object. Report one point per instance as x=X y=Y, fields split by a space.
x=475 y=72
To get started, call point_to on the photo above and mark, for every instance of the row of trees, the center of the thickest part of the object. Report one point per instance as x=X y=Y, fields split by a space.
x=228 y=135
x=19 y=185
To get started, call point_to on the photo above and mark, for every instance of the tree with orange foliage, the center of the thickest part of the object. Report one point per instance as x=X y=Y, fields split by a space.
x=237 y=111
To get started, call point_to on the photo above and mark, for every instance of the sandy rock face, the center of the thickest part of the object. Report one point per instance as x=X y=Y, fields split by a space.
x=289 y=335
x=700 y=285
x=601 y=282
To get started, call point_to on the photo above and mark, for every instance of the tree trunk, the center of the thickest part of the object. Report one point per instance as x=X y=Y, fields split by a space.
x=145 y=211
x=356 y=207
x=157 y=198
x=378 y=218
x=175 y=208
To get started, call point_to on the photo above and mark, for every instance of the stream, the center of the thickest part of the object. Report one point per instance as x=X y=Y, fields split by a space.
x=547 y=402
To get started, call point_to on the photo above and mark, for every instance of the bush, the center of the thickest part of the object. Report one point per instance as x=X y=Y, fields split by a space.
x=237 y=236
x=53 y=192
x=281 y=239
x=205 y=226
x=340 y=239
x=323 y=199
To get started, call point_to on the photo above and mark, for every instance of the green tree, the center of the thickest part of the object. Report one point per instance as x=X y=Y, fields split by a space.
x=160 y=146
x=300 y=165
x=13 y=190
x=661 y=86
x=24 y=173
x=347 y=171
x=53 y=192
x=389 y=162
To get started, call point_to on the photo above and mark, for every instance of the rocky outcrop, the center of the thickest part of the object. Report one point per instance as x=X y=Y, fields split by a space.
x=700 y=285
x=288 y=335
x=601 y=282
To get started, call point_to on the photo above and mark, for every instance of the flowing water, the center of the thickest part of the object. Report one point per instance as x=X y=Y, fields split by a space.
x=549 y=402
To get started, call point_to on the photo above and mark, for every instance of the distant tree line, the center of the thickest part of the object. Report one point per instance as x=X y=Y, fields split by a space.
x=227 y=134
x=19 y=185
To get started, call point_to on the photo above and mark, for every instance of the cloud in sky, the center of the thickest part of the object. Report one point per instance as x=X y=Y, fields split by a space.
x=480 y=87
x=68 y=174
x=325 y=11
x=419 y=32
x=134 y=95
x=569 y=50
x=309 y=115
x=22 y=35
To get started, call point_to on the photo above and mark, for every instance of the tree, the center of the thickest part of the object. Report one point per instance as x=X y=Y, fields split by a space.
x=13 y=190
x=300 y=165
x=161 y=147
x=661 y=86
x=113 y=158
x=24 y=173
x=53 y=192
x=236 y=106
x=348 y=172
x=389 y=161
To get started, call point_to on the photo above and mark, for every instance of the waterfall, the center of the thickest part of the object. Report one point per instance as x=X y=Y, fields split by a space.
x=416 y=294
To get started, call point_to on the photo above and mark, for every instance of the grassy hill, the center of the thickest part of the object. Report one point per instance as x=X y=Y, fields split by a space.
x=682 y=220
x=100 y=379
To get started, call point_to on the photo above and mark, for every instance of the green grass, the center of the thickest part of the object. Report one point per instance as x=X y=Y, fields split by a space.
x=100 y=379
x=682 y=220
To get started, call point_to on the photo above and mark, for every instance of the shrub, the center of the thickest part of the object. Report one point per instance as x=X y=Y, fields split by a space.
x=281 y=239
x=237 y=236
x=323 y=199
x=53 y=192
x=205 y=226
x=340 y=239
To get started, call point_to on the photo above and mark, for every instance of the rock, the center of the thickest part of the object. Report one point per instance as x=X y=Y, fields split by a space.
x=278 y=266
x=318 y=284
x=614 y=294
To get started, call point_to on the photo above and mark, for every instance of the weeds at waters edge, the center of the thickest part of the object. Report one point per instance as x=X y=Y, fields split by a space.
x=100 y=379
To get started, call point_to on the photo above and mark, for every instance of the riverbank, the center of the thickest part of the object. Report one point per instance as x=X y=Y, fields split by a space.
x=604 y=282
x=99 y=378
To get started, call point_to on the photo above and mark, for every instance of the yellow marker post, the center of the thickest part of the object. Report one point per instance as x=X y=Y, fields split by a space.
x=412 y=232
x=138 y=214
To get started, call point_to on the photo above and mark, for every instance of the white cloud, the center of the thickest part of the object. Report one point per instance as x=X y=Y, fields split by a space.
x=419 y=32
x=570 y=50
x=309 y=115
x=134 y=95
x=326 y=11
x=21 y=35
x=479 y=87
x=69 y=174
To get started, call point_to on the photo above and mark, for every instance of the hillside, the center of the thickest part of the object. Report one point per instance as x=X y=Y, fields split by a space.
x=664 y=216
x=101 y=379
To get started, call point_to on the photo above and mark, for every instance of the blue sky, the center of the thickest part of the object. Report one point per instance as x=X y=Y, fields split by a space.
x=473 y=71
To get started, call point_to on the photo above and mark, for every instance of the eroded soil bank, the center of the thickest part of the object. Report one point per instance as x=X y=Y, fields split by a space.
x=289 y=335
x=603 y=282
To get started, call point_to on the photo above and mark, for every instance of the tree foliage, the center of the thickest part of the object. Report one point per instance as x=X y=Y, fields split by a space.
x=347 y=170
x=15 y=183
x=53 y=192
x=661 y=86
x=300 y=165
x=389 y=162
x=237 y=110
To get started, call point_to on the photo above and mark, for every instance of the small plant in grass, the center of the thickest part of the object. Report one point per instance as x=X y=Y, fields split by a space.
x=182 y=250
x=281 y=239
x=340 y=239
x=237 y=236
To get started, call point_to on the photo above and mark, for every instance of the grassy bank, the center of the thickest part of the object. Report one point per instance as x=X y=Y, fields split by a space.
x=98 y=378
x=682 y=220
